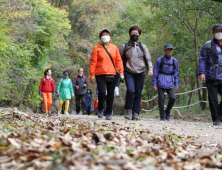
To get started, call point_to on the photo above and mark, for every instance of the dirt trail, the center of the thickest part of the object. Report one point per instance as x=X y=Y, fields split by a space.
x=200 y=132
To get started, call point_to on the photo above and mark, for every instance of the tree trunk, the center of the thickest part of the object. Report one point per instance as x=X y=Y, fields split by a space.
x=196 y=55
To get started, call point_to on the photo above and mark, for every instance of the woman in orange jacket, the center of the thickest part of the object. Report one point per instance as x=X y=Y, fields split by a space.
x=104 y=61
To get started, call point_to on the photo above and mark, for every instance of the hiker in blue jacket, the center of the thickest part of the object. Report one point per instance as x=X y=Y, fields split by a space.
x=80 y=84
x=210 y=70
x=166 y=78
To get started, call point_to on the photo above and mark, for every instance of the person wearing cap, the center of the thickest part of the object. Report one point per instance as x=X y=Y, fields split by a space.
x=210 y=70
x=104 y=61
x=166 y=78
x=65 y=92
x=135 y=57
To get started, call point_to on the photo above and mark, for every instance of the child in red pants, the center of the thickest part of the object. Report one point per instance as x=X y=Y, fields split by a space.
x=46 y=87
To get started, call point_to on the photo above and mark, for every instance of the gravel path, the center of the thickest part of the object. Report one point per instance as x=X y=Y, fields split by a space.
x=201 y=132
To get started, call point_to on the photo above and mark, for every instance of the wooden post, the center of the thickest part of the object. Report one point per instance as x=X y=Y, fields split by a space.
x=192 y=86
x=204 y=97
x=143 y=104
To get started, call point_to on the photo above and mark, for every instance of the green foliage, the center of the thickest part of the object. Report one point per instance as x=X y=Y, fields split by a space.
x=32 y=29
x=35 y=35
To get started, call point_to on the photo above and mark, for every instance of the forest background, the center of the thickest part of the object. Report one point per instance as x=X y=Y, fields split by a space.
x=60 y=34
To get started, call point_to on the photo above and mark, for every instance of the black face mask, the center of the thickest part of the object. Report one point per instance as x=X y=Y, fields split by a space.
x=134 y=37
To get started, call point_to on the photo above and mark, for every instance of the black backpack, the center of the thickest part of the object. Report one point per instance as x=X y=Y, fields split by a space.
x=126 y=49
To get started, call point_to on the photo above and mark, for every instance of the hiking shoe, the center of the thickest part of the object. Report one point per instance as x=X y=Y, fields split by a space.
x=66 y=113
x=49 y=113
x=108 y=116
x=100 y=114
x=167 y=114
x=167 y=117
x=59 y=112
x=84 y=112
x=163 y=118
x=135 y=116
x=128 y=114
x=216 y=123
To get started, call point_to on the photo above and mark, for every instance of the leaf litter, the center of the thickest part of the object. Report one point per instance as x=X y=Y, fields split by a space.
x=39 y=142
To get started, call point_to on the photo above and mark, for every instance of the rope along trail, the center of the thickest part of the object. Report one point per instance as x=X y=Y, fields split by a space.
x=202 y=101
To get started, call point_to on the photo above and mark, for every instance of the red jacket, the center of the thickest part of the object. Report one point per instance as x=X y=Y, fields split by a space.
x=47 y=86
x=95 y=104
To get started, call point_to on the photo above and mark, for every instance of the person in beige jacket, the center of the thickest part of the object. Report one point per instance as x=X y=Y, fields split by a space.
x=135 y=57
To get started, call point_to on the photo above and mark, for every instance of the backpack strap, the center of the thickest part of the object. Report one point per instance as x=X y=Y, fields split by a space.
x=174 y=66
x=209 y=47
x=124 y=52
x=43 y=82
x=85 y=79
x=141 y=47
x=51 y=84
x=144 y=57
x=209 y=51
x=161 y=63
x=75 y=79
x=126 y=47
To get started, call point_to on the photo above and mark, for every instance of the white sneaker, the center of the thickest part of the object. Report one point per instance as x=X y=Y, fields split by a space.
x=59 y=111
x=66 y=113
x=49 y=113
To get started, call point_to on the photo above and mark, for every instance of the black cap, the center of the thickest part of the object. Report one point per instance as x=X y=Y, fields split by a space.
x=217 y=27
x=103 y=30
x=169 y=46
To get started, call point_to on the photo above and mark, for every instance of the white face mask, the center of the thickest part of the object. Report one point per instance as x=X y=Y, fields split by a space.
x=105 y=39
x=80 y=75
x=218 y=35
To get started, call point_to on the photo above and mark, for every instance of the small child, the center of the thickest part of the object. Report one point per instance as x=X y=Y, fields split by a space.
x=95 y=105
x=88 y=101
x=65 y=92
x=46 y=87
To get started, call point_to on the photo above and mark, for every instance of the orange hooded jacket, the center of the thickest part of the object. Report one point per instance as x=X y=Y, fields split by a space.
x=100 y=62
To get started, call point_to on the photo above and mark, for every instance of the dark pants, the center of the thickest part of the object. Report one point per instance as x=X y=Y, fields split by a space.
x=88 y=110
x=102 y=87
x=82 y=98
x=214 y=87
x=134 y=84
x=161 y=99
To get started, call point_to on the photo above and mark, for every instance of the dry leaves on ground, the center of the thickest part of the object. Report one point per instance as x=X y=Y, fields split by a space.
x=38 y=142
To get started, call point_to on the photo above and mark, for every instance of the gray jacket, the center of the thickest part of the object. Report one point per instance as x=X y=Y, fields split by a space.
x=80 y=81
x=134 y=58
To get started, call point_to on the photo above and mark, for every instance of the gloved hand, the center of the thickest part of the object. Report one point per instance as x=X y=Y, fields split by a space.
x=40 y=93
